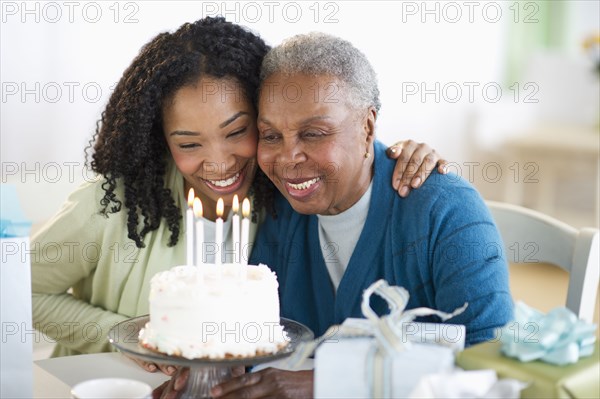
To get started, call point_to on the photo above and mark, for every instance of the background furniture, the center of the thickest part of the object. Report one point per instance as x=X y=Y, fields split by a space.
x=555 y=171
x=532 y=237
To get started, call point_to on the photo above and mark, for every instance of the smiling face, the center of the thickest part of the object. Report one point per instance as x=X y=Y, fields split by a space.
x=312 y=144
x=210 y=128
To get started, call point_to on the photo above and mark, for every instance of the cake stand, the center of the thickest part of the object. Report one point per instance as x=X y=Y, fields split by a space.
x=204 y=373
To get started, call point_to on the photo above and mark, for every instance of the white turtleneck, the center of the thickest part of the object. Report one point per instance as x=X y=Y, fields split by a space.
x=338 y=235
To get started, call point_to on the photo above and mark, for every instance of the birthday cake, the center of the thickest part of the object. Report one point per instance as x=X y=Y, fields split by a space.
x=214 y=311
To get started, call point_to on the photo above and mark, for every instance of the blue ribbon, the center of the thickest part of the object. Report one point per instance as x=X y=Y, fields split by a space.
x=558 y=337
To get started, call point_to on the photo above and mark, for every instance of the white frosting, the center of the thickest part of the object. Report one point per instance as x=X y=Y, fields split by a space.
x=212 y=311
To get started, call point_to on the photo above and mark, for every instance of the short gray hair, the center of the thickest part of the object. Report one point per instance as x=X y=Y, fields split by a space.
x=318 y=53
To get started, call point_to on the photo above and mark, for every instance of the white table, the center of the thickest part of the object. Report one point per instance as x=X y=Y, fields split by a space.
x=53 y=378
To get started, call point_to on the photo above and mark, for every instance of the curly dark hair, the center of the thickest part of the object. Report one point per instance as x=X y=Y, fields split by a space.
x=129 y=145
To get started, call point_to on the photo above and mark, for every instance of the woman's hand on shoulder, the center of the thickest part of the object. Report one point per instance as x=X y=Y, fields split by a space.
x=414 y=163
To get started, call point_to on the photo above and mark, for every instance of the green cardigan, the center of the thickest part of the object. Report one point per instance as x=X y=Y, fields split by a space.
x=87 y=275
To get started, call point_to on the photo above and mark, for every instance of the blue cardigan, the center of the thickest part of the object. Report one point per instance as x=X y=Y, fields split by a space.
x=440 y=243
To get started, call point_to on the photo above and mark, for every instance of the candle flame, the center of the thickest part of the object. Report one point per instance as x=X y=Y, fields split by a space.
x=246 y=208
x=220 y=207
x=197 y=207
x=236 y=204
x=191 y=196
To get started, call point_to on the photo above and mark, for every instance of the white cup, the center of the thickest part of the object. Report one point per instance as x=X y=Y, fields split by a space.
x=109 y=388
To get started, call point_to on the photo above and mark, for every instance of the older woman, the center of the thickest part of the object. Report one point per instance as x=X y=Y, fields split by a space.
x=340 y=227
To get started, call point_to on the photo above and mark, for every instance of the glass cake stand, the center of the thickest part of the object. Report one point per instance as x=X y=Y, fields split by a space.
x=204 y=373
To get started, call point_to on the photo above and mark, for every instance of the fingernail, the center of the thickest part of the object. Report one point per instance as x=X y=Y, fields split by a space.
x=416 y=182
x=180 y=383
x=393 y=150
x=171 y=369
x=151 y=367
x=396 y=184
x=216 y=391
x=404 y=191
x=445 y=169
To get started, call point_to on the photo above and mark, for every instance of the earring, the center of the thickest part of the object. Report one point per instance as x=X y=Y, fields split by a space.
x=367 y=155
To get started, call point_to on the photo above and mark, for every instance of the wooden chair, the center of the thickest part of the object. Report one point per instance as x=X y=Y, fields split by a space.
x=531 y=237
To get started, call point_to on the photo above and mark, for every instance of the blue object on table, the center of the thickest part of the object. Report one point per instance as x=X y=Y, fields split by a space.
x=12 y=219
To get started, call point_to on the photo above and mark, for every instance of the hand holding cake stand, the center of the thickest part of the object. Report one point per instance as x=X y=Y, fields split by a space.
x=204 y=372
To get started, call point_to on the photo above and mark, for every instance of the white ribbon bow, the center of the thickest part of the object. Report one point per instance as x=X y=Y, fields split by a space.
x=387 y=331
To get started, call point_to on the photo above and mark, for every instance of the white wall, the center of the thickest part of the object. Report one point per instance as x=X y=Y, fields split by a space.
x=44 y=132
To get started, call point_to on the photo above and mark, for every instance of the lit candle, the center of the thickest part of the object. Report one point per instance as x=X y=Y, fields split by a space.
x=236 y=229
x=199 y=230
x=219 y=231
x=189 y=229
x=245 y=234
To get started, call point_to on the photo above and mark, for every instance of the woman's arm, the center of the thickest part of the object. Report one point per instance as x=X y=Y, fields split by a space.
x=64 y=253
x=73 y=323
x=468 y=263
x=69 y=305
x=414 y=163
